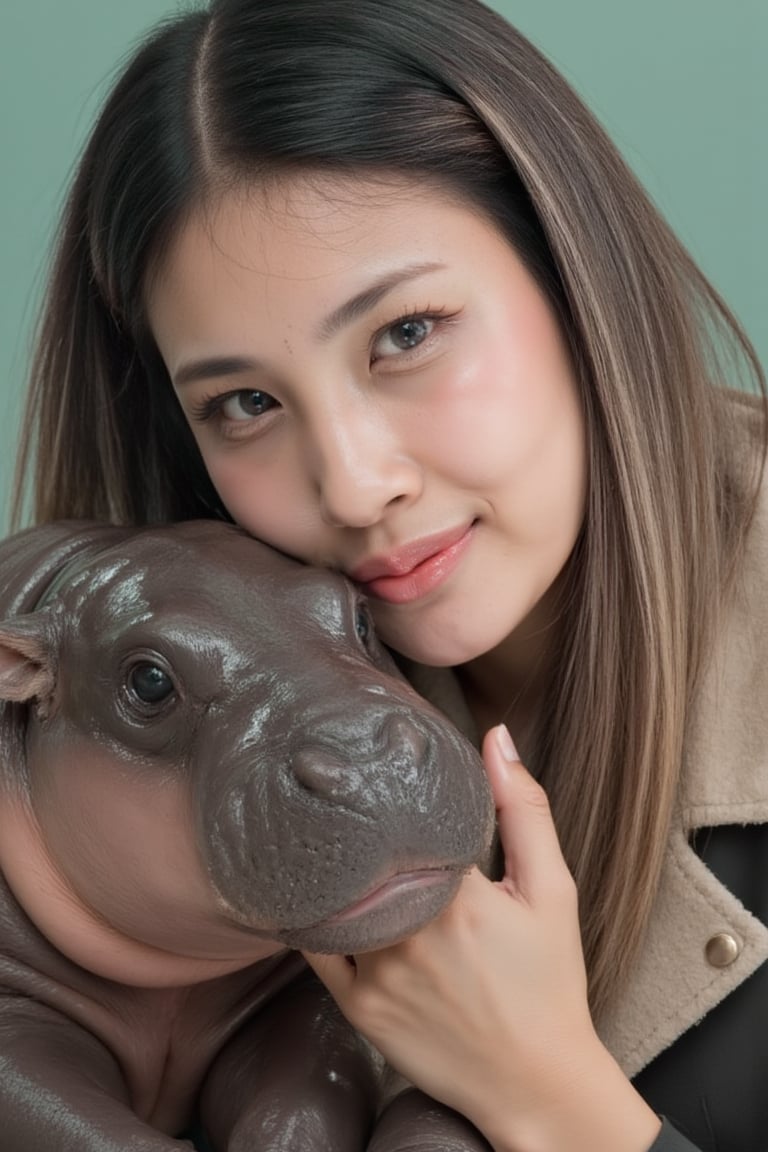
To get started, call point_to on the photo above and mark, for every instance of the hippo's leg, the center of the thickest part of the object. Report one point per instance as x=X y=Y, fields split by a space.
x=296 y=1076
x=414 y=1122
x=61 y=1089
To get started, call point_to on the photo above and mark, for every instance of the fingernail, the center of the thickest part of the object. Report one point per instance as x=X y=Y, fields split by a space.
x=506 y=744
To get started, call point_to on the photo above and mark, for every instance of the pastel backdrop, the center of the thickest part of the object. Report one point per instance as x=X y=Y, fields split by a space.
x=681 y=85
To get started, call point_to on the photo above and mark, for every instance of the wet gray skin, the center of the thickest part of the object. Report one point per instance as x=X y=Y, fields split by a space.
x=208 y=760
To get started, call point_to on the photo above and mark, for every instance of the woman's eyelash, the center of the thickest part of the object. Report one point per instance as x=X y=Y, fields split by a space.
x=412 y=316
x=209 y=406
x=206 y=407
x=214 y=406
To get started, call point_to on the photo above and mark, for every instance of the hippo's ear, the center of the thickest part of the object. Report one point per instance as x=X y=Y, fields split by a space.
x=26 y=659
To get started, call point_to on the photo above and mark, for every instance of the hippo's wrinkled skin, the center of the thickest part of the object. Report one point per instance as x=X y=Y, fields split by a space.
x=208 y=762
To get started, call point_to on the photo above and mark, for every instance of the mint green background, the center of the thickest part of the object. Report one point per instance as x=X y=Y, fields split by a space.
x=681 y=85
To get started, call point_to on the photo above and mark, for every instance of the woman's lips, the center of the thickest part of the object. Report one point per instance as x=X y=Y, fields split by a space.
x=415 y=569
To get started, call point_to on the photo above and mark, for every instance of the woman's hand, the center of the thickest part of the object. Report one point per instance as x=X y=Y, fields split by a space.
x=486 y=1007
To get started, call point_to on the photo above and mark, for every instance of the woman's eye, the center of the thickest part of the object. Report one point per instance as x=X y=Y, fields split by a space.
x=246 y=404
x=403 y=336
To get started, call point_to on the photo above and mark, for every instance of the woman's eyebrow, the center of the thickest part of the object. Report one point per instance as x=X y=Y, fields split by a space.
x=346 y=313
x=363 y=301
x=213 y=367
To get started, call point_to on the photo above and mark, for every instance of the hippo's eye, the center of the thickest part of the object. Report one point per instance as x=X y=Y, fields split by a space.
x=149 y=683
x=363 y=625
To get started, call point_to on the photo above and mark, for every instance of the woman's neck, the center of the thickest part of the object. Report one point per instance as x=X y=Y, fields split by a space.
x=510 y=683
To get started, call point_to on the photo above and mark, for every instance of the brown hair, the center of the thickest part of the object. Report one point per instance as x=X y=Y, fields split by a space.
x=447 y=90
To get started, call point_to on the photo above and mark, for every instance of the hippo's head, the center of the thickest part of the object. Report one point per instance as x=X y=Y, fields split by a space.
x=219 y=724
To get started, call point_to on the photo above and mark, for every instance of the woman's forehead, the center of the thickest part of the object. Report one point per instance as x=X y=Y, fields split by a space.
x=307 y=228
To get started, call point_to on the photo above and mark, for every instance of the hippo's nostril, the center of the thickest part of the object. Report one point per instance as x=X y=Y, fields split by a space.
x=320 y=772
x=401 y=732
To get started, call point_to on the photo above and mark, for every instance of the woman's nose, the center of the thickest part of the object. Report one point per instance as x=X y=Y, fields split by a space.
x=363 y=468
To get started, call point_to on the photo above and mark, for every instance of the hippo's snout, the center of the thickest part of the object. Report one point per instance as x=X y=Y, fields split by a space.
x=383 y=807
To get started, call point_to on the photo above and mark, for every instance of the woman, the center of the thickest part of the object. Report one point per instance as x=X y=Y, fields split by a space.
x=372 y=282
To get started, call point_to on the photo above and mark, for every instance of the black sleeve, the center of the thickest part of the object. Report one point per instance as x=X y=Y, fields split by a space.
x=670 y=1140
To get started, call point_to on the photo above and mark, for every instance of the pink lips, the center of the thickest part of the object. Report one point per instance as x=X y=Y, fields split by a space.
x=416 y=568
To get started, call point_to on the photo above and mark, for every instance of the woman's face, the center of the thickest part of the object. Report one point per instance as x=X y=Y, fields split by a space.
x=377 y=384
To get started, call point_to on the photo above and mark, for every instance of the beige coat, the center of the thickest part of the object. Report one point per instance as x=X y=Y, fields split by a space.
x=701 y=942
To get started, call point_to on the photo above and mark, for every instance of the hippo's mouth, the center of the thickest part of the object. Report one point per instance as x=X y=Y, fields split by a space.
x=389 y=912
x=401 y=886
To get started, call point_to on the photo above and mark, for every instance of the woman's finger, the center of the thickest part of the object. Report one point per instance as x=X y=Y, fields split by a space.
x=532 y=856
x=336 y=972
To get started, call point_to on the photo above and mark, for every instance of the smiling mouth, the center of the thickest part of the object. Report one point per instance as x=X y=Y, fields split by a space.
x=402 y=561
x=414 y=571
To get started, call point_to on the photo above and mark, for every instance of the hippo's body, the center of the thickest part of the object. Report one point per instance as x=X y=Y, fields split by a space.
x=208 y=762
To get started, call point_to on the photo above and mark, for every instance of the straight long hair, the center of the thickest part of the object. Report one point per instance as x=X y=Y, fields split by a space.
x=443 y=90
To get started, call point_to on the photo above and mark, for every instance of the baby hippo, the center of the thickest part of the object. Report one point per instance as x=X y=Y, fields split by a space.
x=208 y=763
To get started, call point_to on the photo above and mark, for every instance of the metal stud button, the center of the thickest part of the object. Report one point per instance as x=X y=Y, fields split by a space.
x=722 y=949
